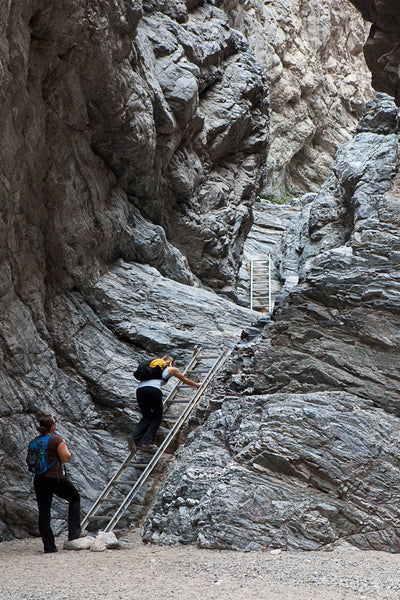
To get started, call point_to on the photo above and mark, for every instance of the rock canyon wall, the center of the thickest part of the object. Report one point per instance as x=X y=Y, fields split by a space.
x=312 y=53
x=299 y=448
x=131 y=135
x=381 y=50
x=134 y=145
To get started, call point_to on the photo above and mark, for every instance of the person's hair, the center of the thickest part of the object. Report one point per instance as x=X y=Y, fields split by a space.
x=45 y=424
x=169 y=360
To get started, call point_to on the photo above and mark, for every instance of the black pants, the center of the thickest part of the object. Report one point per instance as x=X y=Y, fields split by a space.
x=45 y=488
x=151 y=407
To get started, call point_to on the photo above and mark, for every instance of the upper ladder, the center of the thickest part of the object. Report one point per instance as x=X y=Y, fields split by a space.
x=124 y=501
x=260 y=284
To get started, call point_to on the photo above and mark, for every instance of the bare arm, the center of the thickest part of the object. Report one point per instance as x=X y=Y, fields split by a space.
x=63 y=453
x=174 y=372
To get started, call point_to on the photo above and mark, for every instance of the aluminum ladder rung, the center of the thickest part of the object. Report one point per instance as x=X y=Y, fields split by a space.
x=260 y=283
x=179 y=401
x=127 y=482
x=109 y=500
x=166 y=442
x=190 y=403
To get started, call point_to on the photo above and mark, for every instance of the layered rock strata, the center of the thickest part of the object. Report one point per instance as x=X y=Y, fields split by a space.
x=115 y=123
x=129 y=132
x=263 y=243
x=132 y=135
x=86 y=377
x=299 y=448
x=318 y=80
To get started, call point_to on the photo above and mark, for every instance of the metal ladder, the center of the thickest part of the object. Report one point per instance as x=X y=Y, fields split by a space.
x=148 y=468
x=260 y=284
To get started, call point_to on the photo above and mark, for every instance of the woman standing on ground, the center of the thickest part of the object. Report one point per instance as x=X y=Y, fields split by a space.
x=149 y=399
x=52 y=482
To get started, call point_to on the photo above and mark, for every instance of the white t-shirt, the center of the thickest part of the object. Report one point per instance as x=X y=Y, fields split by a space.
x=156 y=383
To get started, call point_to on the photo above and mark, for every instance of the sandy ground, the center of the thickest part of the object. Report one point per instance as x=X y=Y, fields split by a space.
x=145 y=572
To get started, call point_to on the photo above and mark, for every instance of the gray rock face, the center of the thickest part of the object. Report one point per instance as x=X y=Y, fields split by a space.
x=136 y=135
x=209 y=160
x=87 y=378
x=133 y=133
x=324 y=222
x=119 y=114
x=289 y=471
x=298 y=448
x=271 y=222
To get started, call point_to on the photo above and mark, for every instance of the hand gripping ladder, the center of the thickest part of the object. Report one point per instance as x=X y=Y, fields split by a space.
x=149 y=468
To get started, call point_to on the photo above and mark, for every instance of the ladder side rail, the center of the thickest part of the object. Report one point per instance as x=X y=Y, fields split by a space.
x=155 y=459
x=106 y=490
x=197 y=352
x=251 y=284
x=196 y=355
x=269 y=285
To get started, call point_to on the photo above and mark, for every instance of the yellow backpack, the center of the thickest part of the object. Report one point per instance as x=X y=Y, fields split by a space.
x=158 y=362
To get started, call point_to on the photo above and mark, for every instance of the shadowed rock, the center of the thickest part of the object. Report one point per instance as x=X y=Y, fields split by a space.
x=381 y=49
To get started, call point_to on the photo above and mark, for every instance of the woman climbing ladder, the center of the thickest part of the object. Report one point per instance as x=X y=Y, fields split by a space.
x=149 y=399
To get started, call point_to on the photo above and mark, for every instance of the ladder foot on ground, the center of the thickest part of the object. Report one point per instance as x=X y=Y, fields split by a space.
x=148 y=463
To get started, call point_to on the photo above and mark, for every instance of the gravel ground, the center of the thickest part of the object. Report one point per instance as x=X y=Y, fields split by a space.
x=145 y=572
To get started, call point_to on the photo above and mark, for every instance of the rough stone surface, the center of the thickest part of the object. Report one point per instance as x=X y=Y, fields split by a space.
x=91 y=388
x=129 y=133
x=381 y=49
x=124 y=124
x=288 y=471
x=271 y=222
x=299 y=446
x=136 y=135
x=315 y=68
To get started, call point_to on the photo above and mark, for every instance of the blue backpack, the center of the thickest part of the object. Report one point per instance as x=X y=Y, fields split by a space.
x=38 y=462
